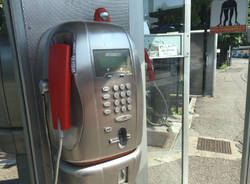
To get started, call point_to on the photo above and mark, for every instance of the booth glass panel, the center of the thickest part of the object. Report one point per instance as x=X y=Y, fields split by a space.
x=164 y=89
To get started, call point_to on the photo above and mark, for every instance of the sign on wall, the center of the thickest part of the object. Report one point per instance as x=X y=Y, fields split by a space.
x=163 y=45
x=228 y=16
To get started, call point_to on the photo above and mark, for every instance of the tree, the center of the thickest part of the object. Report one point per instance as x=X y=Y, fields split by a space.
x=200 y=14
x=174 y=18
x=233 y=40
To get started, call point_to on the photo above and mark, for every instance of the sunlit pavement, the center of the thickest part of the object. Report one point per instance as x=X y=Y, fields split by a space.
x=8 y=169
x=221 y=118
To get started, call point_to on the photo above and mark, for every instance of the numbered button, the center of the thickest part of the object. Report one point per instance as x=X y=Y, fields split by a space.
x=122 y=86
x=116 y=95
x=129 y=93
x=106 y=96
x=128 y=86
x=123 y=101
x=107 y=112
x=117 y=109
x=129 y=107
x=129 y=100
x=124 y=108
x=108 y=129
x=116 y=102
x=123 y=94
x=107 y=104
x=105 y=89
x=115 y=87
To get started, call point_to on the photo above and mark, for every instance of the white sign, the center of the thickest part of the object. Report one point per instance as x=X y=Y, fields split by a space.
x=163 y=45
x=229 y=16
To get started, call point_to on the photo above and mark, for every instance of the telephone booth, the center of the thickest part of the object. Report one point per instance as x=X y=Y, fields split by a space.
x=93 y=92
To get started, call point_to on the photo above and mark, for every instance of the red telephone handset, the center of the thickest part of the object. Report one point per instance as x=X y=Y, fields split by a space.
x=150 y=67
x=59 y=84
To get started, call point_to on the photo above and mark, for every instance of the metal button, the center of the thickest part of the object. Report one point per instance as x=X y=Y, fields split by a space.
x=122 y=86
x=123 y=118
x=107 y=104
x=116 y=95
x=114 y=140
x=105 y=89
x=107 y=111
x=117 y=109
x=115 y=87
x=123 y=94
x=129 y=100
x=106 y=96
x=116 y=102
x=124 y=108
x=108 y=129
x=128 y=86
x=128 y=136
x=129 y=107
x=129 y=93
x=123 y=101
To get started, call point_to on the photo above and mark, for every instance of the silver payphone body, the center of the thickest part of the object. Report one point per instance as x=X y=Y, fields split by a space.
x=106 y=102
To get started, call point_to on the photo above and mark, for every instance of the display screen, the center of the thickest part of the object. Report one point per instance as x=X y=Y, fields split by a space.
x=112 y=61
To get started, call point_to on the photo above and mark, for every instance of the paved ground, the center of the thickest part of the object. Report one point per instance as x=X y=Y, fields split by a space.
x=220 y=118
x=223 y=115
x=8 y=171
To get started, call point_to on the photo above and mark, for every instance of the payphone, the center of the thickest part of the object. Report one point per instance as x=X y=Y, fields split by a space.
x=95 y=95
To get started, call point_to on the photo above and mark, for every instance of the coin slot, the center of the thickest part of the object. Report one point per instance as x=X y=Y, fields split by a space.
x=122 y=135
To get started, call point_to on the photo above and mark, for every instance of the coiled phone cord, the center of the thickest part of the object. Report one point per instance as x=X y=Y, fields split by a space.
x=152 y=81
x=165 y=104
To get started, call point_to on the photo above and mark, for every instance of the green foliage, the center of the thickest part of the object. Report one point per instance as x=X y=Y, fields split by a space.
x=174 y=112
x=200 y=14
x=248 y=12
x=224 y=66
x=169 y=16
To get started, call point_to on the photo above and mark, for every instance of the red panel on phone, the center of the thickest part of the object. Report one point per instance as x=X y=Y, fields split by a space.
x=59 y=84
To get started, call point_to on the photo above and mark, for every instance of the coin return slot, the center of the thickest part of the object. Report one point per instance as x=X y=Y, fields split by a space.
x=123 y=176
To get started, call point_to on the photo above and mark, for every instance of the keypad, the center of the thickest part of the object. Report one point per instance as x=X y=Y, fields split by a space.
x=106 y=96
x=105 y=89
x=123 y=101
x=122 y=86
x=124 y=108
x=116 y=95
x=117 y=109
x=128 y=86
x=118 y=100
x=129 y=100
x=129 y=93
x=107 y=104
x=115 y=87
x=123 y=94
x=107 y=112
